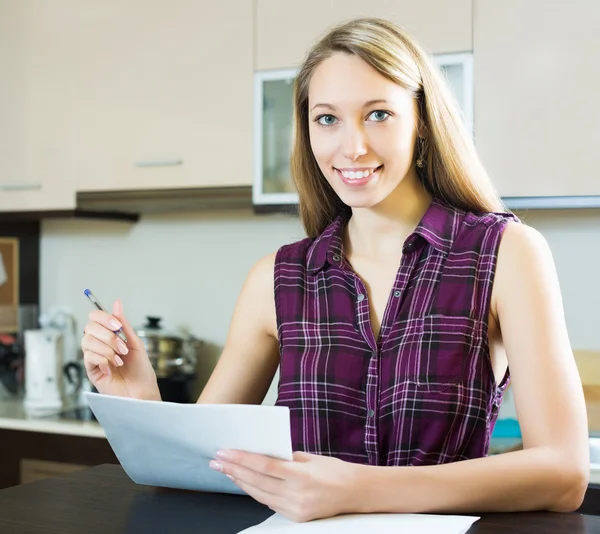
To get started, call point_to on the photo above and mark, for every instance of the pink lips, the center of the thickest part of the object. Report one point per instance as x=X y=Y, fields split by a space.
x=358 y=182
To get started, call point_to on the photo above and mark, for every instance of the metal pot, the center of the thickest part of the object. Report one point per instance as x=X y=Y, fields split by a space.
x=170 y=353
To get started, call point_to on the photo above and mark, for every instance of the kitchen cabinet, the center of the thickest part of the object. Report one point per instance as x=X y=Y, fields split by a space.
x=34 y=470
x=163 y=94
x=30 y=455
x=135 y=95
x=36 y=130
x=536 y=105
x=285 y=29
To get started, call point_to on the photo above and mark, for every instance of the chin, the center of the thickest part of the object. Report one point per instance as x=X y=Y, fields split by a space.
x=354 y=201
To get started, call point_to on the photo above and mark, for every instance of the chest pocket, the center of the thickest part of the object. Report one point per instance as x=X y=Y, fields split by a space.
x=445 y=349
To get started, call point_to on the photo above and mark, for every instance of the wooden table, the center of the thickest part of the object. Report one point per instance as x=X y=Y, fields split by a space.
x=103 y=499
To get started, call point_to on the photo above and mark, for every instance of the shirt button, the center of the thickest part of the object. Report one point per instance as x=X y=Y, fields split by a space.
x=336 y=257
x=360 y=297
x=371 y=413
x=396 y=293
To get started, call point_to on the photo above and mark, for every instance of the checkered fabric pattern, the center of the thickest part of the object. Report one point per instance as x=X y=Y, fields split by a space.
x=424 y=392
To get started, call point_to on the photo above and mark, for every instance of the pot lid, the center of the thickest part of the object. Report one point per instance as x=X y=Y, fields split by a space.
x=153 y=328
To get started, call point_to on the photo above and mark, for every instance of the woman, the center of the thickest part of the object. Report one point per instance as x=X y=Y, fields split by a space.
x=396 y=320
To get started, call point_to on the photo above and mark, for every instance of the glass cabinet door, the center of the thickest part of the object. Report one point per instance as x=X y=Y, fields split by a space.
x=273 y=124
x=458 y=69
x=274 y=91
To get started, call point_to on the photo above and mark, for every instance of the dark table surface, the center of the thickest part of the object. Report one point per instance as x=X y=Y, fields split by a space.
x=103 y=499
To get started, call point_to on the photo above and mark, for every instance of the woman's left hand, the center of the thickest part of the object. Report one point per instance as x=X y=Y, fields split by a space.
x=310 y=487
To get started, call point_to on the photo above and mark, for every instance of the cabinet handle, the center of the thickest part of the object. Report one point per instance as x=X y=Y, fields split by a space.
x=20 y=187
x=159 y=163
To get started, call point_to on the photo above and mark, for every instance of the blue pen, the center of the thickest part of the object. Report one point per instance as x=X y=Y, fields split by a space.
x=96 y=303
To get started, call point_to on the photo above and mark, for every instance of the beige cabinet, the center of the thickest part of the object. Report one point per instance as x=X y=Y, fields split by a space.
x=33 y=470
x=537 y=112
x=285 y=29
x=162 y=92
x=36 y=128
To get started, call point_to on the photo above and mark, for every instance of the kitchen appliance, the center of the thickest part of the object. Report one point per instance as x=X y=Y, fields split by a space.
x=43 y=370
x=173 y=357
x=11 y=365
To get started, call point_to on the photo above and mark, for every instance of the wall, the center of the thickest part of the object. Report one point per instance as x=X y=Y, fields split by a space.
x=189 y=268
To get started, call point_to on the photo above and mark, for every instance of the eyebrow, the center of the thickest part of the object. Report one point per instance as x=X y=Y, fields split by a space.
x=365 y=105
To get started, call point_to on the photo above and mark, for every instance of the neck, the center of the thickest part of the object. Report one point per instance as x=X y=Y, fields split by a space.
x=380 y=231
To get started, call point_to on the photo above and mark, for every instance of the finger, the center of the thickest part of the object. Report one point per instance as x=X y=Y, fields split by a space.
x=106 y=336
x=94 y=362
x=268 y=499
x=264 y=483
x=92 y=344
x=257 y=462
x=105 y=319
x=132 y=338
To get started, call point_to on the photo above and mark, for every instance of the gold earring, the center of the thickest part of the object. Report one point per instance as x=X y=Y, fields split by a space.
x=421 y=150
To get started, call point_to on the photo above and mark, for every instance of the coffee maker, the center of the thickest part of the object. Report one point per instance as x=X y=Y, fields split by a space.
x=43 y=371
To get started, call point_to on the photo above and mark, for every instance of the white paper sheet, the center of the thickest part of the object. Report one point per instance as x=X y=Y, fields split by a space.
x=170 y=444
x=374 y=523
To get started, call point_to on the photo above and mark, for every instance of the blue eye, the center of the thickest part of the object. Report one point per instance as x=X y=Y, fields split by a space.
x=326 y=120
x=379 y=115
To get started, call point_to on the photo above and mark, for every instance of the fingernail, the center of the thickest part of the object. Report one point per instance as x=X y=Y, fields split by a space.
x=226 y=455
x=122 y=347
x=115 y=325
x=118 y=361
x=215 y=465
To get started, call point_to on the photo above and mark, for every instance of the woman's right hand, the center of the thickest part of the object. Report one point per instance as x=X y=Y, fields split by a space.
x=113 y=367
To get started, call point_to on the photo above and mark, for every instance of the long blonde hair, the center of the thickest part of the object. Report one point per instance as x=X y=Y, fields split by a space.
x=452 y=171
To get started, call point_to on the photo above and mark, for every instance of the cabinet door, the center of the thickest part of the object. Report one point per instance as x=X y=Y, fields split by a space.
x=34 y=470
x=536 y=106
x=36 y=125
x=285 y=29
x=162 y=94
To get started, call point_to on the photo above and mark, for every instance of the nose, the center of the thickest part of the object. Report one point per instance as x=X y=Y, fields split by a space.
x=354 y=142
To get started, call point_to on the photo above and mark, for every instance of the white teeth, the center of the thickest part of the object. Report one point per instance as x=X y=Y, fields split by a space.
x=354 y=175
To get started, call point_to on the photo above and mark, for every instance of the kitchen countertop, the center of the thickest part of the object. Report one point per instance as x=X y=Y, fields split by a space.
x=104 y=499
x=14 y=417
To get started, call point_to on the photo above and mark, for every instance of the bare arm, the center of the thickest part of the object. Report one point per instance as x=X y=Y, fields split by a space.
x=251 y=355
x=552 y=470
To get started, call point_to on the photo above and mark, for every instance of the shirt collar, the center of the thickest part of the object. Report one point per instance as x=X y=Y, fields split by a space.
x=438 y=227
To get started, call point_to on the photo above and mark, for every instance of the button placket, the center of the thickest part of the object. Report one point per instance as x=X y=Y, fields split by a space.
x=407 y=265
x=371 y=429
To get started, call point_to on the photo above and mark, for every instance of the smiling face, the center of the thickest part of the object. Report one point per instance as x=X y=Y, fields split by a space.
x=362 y=129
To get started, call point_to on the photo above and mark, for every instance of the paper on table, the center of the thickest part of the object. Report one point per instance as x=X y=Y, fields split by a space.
x=359 y=524
x=170 y=444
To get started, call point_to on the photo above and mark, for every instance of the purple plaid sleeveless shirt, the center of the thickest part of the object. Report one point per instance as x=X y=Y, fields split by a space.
x=423 y=393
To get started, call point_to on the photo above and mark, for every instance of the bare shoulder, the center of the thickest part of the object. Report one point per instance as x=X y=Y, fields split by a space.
x=258 y=291
x=262 y=274
x=519 y=238
x=524 y=256
x=265 y=266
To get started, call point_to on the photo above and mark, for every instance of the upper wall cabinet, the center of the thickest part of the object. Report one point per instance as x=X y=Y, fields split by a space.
x=537 y=111
x=162 y=92
x=285 y=29
x=36 y=128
